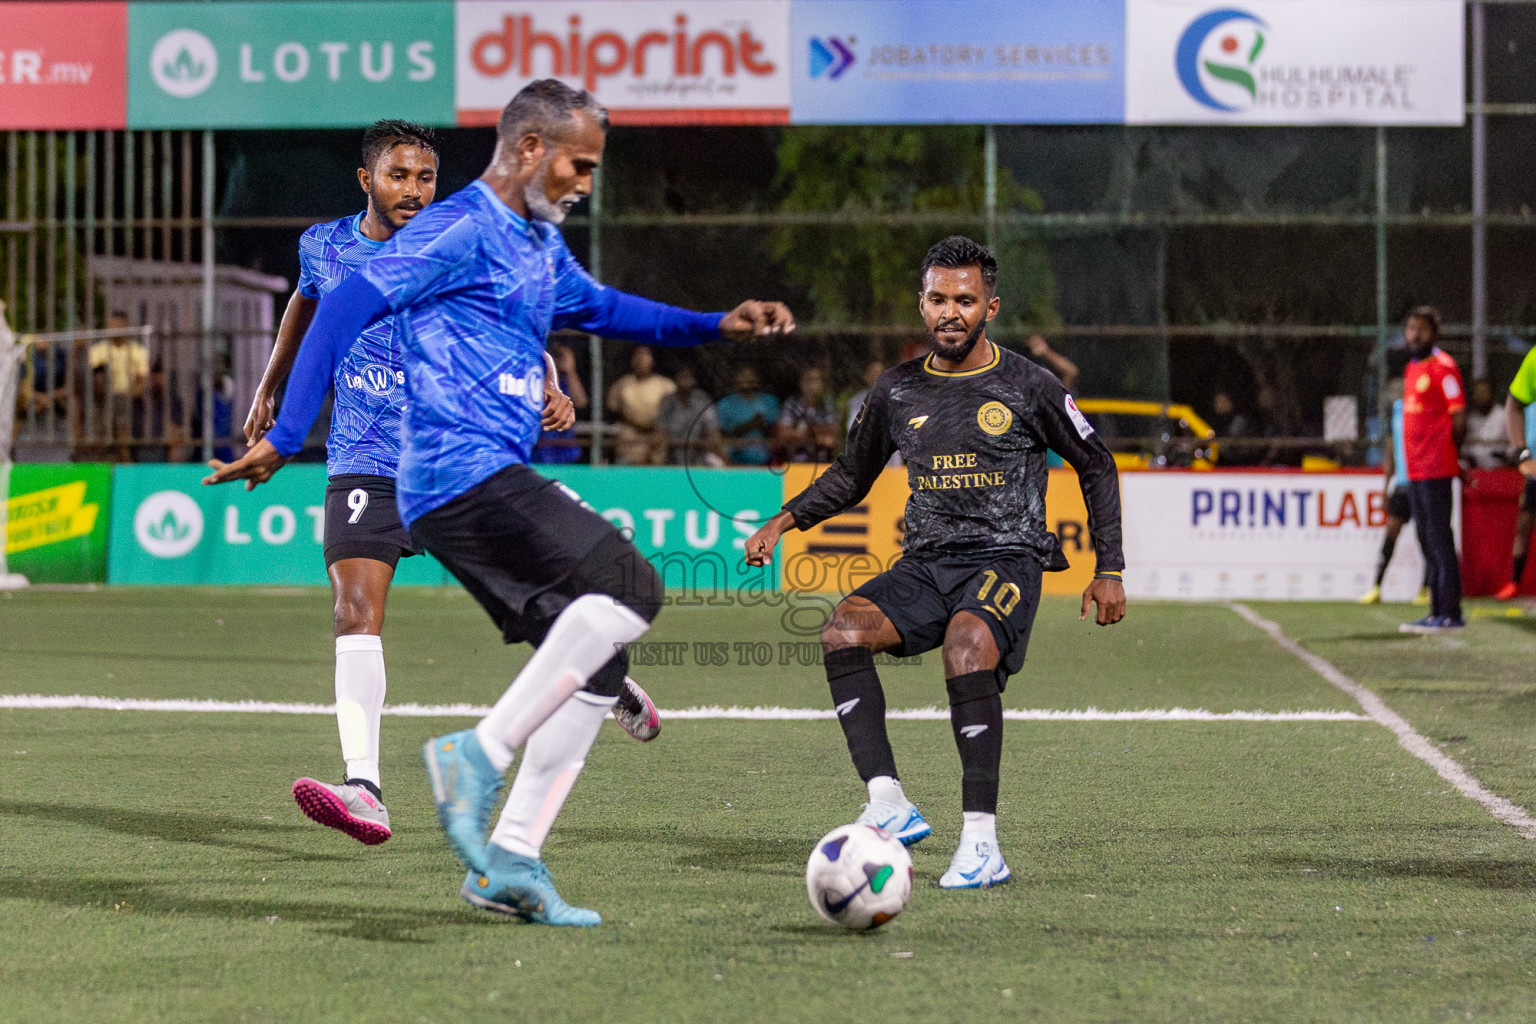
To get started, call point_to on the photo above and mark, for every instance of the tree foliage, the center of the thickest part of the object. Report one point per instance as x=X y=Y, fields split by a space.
x=864 y=271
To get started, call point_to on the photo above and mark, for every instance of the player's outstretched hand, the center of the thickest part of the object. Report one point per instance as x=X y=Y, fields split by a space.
x=761 y=544
x=261 y=418
x=754 y=319
x=254 y=467
x=559 y=410
x=1109 y=595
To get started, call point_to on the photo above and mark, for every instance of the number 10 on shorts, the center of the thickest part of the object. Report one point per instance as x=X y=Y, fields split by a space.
x=1004 y=598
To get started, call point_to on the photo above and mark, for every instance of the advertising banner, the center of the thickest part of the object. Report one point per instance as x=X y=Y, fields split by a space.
x=692 y=524
x=1294 y=62
x=1268 y=536
x=958 y=61
x=289 y=65
x=842 y=553
x=648 y=62
x=62 y=66
x=56 y=521
x=169 y=529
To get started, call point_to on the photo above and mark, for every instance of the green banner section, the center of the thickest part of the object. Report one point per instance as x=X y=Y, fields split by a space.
x=289 y=65
x=56 y=522
x=691 y=523
x=167 y=528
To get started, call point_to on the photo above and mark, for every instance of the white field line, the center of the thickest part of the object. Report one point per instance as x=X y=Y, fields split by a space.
x=1409 y=738
x=41 y=702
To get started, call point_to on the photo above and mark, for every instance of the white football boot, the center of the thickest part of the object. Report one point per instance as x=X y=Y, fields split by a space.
x=977 y=864
x=903 y=821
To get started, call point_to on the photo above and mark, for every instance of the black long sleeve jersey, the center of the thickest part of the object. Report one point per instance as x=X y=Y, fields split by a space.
x=975 y=446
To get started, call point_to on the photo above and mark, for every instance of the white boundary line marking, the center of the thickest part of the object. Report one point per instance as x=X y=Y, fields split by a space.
x=77 y=702
x=1409 y=738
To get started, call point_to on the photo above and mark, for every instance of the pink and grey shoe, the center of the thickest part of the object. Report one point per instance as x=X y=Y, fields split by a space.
x=346 y=808
x=635 y=712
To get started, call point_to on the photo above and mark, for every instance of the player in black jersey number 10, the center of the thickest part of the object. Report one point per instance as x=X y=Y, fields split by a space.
x=973 y=423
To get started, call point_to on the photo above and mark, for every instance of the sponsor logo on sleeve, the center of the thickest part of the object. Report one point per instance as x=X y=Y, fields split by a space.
x=1084 y=428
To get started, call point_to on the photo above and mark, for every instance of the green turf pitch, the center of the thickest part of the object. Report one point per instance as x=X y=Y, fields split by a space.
x=153 y=868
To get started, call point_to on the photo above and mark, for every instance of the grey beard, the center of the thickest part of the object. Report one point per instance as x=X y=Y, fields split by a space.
x=957 y=352
x=539 y=206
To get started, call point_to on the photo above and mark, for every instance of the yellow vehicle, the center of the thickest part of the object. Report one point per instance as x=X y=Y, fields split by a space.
x=1152 y=435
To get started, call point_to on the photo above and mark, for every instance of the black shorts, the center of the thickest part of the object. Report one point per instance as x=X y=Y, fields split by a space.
x=361 y=520
x=1528 y=496
x=920 y=597
x=524 y=547
x=1398 y=505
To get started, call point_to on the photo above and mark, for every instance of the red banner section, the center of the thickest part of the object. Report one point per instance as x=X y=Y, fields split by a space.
x=647 y=61
x=63 y=66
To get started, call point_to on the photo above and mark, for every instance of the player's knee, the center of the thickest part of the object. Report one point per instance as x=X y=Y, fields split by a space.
x=354 y=615
x=844 y=629
x=617 y=568
x=969 y=646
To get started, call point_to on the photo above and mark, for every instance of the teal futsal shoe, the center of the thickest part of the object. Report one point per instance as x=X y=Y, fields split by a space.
x=520 y=887
x=464 y=788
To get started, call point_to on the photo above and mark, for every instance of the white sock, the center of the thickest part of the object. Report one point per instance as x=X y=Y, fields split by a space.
x=978 y=826
x=360 y=702
x=551 y=761
x=887 y=790
x=582 y=640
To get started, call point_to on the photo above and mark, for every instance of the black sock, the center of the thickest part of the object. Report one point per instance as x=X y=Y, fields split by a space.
x=378 y=794
x=608 y=681
x=978 y=727
x=1388 y=545
x=860 y=704
x=1519 y=569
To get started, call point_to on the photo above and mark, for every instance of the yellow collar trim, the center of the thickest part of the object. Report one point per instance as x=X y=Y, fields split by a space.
x=997 y=357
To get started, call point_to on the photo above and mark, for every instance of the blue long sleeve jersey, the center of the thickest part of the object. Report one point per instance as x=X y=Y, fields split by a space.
x=475 y=290
x=369 y=377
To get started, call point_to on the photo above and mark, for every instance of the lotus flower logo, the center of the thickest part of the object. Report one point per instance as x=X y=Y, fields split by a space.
x=184 y=63
x=1206 y=56
x=168 y=524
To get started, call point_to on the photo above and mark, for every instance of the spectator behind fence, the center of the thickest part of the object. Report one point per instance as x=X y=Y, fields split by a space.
x=560 y=446
x=687 y=419
x=119 y=376
x=635 y=398
x=746 y=416
x=224 y=420
x=1226 y=419
x=161 y=418
x=807 y=430
x=50 y=378
x=1064 y=369
x=1487 y=445
x=872 y=371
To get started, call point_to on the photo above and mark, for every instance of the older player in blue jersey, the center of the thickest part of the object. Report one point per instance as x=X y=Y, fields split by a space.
x=476 y=283
x=364 y=537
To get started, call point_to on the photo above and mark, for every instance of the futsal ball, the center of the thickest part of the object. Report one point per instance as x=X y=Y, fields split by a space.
x=859 y=877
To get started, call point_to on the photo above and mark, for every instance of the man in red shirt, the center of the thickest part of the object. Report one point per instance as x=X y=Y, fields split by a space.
x=1434 y=422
